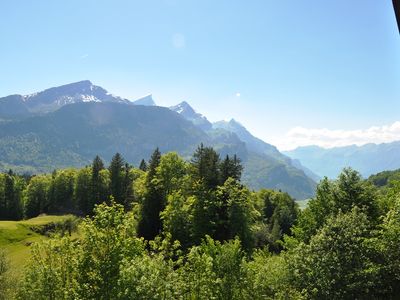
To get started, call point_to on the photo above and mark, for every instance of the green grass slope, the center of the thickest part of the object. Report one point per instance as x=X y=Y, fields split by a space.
x=17 y=236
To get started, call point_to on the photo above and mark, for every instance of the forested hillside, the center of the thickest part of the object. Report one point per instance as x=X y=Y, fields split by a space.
x=67 y=126
x=74 y=134
x=385 y=178
x=173 y=229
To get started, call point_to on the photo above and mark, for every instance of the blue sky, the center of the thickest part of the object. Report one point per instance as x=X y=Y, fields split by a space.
x=293 y=72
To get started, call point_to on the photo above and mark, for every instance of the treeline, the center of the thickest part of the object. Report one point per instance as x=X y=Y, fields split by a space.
x=191 y=230
x=11 y=195
x=66 y=191
x=186 y=199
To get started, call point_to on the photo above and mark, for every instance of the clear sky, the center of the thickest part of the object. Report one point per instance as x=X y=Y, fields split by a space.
x=294 y=72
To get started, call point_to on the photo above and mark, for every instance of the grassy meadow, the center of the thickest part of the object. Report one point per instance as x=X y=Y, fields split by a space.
x=16 y=237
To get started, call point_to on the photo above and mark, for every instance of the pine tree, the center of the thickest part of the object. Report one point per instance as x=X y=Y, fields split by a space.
x=153 y=203
x=83 y=191
x=97 y=166
x=205 y=163
x=143 y=165
x=12 y=207
x=153 y=164
x=96 y=185
x=230 y=167
x=127 y=187
x=116 y=169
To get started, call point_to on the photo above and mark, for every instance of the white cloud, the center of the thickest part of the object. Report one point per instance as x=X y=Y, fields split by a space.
x=178 y=40
x=300 y=136
x=84 y=56
x=237 y=94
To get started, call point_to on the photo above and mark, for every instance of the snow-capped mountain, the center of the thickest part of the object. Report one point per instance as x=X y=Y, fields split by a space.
x=82 y=91
x=186 y=111
x=55 y=98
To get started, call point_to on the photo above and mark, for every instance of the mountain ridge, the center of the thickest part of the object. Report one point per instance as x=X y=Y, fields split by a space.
x=146 y=100
x=187 y=111
x=257 y=153
x=368 y=159
x=54 y=98
x=73 y=132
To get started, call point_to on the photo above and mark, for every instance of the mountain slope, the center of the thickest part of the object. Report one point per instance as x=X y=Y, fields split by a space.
x=260 y=147
x=385 y=178
x=74 y=134
x=264 y=165
x=67 y=126
x=260 y=172
x=54 y=98
x=254 y=144
x=367 y=159
x=146 y=100
x=13 y=107
x=185 y=110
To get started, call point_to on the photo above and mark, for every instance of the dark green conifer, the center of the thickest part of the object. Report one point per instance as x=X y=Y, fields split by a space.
x=230 y=167
x=143 y=165
x=205 y=163
x=117 y=174
x=12 y=207
x=153 y=203
x=97 y=190
x=127 y=187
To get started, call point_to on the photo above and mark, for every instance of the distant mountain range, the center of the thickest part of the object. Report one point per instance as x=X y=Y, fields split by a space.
x=67 y=126
x=367 y=159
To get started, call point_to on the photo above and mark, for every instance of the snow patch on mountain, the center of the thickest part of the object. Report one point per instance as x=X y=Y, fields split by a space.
x=54 y=98
x=186 y=111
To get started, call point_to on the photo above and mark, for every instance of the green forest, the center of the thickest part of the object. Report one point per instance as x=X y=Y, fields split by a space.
x=177 y=229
